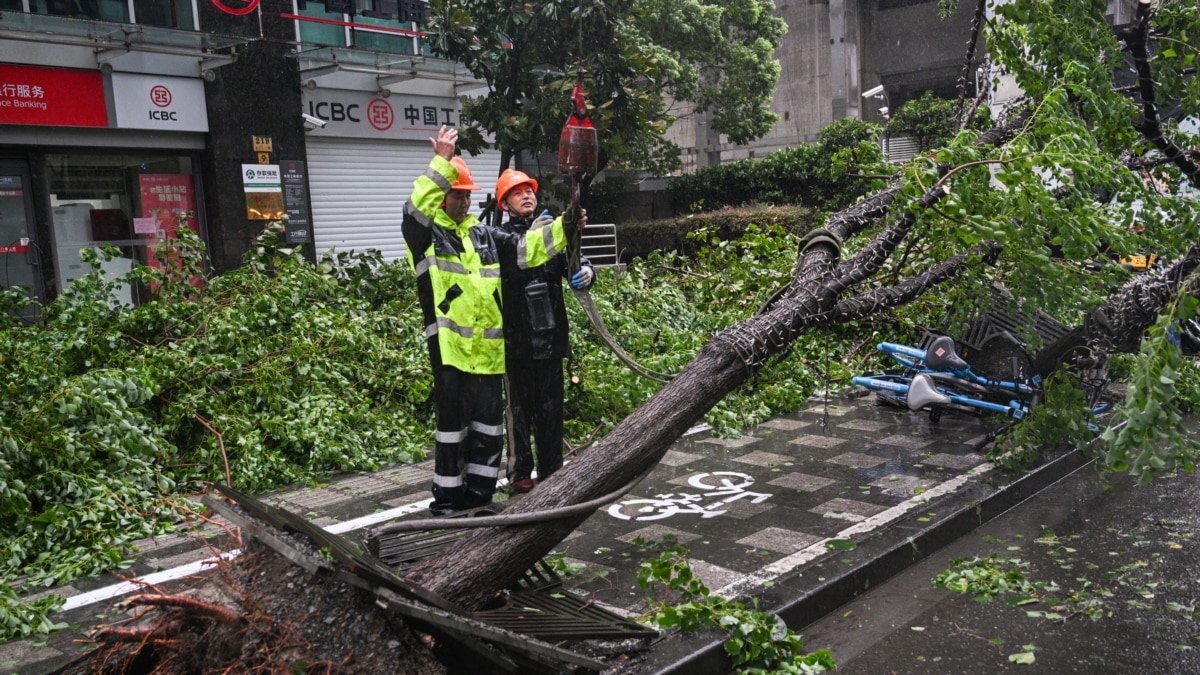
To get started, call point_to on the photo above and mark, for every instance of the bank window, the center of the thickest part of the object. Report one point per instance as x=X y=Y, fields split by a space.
x=178 y=14
x=377 y=25
x=131 y=202
x=165 y=13
x=324 y=26
x=102 y=10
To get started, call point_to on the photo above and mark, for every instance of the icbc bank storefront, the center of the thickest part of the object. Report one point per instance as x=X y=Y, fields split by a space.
x=89 y=157
x=368 y=134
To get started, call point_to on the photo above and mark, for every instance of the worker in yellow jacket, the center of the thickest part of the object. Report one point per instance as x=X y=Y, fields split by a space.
x=459 y=262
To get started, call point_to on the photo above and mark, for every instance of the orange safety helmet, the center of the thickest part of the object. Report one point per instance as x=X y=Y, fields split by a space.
x=464 y=182
x=508 y=180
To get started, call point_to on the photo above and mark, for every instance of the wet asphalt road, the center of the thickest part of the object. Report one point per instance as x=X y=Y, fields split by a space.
x=1093 y=544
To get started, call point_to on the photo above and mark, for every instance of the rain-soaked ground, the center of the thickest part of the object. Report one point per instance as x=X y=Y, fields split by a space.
x=1114 y=570
x=810 y=511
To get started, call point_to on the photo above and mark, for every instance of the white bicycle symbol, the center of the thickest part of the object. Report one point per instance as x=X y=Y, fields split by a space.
x=730 y=487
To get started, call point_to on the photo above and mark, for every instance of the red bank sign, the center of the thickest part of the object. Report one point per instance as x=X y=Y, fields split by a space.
x=51 y=96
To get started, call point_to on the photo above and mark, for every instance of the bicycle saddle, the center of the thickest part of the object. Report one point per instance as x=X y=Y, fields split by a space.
x=922 y=392
x=941 y=355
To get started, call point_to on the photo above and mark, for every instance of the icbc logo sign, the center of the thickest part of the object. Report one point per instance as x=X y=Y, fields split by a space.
x=380 y=114
x=161 y=97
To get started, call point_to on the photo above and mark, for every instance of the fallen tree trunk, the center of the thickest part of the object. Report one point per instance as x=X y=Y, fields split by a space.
x=482 y=563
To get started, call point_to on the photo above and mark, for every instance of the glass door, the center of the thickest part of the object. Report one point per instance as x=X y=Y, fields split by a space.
x=18 y=250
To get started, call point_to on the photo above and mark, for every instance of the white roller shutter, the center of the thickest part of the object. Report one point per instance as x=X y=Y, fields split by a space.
x=358 y=189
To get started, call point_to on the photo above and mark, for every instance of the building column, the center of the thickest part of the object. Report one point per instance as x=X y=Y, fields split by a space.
x=843 y=58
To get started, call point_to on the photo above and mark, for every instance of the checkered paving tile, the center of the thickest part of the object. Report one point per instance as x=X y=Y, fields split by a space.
x=779 y=540
x=659 y=533
x=306 y=501
x=364 y=485
x=677 y=458
x=801 y=481
x=904 y=485
x=713 y=576
x=731 y=442
x=848 y=509
x=785 y=424
x=961 y=462
x=866 y=425
x=764 y=459
x=815 y=441
x=905 y=441
x=857 y=460
x=817 y=407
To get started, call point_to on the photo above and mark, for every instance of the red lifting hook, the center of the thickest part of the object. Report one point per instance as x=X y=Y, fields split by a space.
x=577 y=146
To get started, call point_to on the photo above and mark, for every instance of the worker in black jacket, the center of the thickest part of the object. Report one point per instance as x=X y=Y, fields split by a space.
x=535 y=338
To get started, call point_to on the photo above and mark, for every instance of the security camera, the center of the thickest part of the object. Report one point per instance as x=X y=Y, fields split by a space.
x=873 y=91
x=884 y=111
x=313 y=122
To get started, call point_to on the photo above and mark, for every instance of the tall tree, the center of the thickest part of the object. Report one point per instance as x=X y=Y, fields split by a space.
x=987 y=207
x=637 y=58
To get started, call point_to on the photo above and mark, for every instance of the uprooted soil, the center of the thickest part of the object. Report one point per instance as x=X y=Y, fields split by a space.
x=259 y=613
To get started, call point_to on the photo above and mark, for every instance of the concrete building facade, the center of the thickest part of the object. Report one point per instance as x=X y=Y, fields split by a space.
x=834 y=51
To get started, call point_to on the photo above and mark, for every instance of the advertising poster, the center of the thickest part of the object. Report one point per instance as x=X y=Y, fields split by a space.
x=167 y=199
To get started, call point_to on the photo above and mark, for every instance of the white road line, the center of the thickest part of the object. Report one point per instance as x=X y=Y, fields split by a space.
x=117 y=590
x=374 y=518
x=109 y=592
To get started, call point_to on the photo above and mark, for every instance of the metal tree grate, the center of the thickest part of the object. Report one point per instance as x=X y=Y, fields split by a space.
x=560 y=617
x=531 y=609
x=402 y=550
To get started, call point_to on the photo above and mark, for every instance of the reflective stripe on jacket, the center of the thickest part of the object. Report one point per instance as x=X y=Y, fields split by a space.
x=458 y=273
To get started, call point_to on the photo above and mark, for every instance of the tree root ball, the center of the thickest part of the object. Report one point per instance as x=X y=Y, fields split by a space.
x=258 y=613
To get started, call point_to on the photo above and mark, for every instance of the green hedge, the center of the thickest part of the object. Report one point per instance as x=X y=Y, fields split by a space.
x=639 y=239
x=828 y=175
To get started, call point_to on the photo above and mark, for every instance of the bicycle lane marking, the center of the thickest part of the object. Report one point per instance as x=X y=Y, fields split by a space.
x=773 y=571
x=668 y=504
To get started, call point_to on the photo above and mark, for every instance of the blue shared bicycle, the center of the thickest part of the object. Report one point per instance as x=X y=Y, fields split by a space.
x=937 y=379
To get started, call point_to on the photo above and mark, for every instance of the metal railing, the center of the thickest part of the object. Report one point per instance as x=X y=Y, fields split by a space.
x=600 y=245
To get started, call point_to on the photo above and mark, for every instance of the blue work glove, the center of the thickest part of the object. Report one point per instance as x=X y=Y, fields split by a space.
x=582 y=279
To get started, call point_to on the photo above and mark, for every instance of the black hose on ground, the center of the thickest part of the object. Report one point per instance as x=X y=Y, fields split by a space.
x=510 y=519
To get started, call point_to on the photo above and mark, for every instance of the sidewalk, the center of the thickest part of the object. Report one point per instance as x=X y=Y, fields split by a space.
x=755 y=512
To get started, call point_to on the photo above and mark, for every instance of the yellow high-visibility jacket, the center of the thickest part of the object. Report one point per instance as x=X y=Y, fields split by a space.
x=458 y=268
